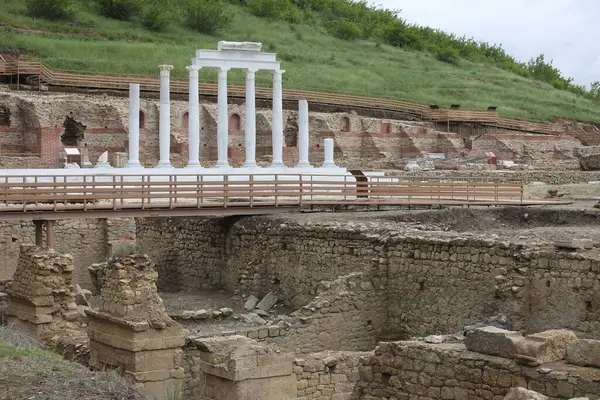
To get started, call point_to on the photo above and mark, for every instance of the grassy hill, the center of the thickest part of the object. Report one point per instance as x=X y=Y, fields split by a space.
x=312 y=57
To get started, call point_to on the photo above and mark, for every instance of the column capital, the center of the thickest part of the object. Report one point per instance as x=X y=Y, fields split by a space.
x=250 y=73
x=277 y=73
x=165 y=70
x=193 y=68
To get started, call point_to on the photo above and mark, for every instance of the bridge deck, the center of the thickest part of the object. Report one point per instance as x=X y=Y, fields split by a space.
x=76 y=196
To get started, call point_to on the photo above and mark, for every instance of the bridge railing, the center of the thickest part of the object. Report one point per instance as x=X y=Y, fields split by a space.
x=160 y=191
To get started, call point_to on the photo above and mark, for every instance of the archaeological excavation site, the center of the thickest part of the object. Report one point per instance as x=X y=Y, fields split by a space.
x=282 y=247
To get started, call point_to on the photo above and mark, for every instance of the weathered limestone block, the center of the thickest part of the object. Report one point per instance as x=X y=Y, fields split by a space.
x=544 y=347
x=519 y=393
x=584 y=352
x=493 y=341
x=238 y=368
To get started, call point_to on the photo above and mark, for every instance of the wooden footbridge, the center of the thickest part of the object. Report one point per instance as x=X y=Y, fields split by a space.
x=45 y=199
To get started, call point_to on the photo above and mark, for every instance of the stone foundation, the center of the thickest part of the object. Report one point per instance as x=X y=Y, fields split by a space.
x=419 y=370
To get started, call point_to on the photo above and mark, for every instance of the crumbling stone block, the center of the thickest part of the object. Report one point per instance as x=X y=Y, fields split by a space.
x=493 y=341
x=238 y=368
x=544 y=347
x=267 y=302
x=584 y=352
x=519 y=393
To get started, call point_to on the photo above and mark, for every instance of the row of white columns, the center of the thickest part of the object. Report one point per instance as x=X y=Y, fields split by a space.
x=222 y=123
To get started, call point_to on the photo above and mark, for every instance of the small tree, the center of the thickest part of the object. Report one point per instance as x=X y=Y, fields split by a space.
x=449 y=55
x=344 y=29
x=119 y=9
x=206 y=16
x=270 y=9
x=156 y=15
x=51 y=9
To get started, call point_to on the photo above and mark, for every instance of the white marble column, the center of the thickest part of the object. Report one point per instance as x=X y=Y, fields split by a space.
x=250 y=128
x=328 y=146
x=223 y=120
x=164 y=133
x=277 y=122
x=134 y=126
x=303 y=135
x=194 y=119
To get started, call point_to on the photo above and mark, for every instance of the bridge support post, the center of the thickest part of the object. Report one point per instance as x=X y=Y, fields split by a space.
x=277 y=122
x=134 y=126
x=39 y=233
x=250 y=134
x=165 y=117
x=223 y=120
x=50 y=233
x=194 y=119
x=303 y=135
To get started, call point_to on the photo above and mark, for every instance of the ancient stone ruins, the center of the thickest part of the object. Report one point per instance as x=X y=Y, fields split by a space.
x=362 y=302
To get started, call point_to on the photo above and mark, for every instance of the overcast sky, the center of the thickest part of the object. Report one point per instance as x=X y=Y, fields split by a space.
x=566 y=31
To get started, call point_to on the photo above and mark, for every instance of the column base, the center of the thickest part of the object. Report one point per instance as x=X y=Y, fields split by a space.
x=164 y=164
x=250 y=164
x=328 y=165
x=304 y=164
x=277 y=164
x=193 y=164
x=133 y=164
x=222 y=164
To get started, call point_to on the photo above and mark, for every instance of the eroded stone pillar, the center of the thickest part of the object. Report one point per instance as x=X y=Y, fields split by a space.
x=132 y=331
x=303 y=135
x=277 y=122
x=194 y=119
x=328 y=146
x=164 y=134
x=134 y=126
x=222 y=120
x=40 y=298
x=250 y=129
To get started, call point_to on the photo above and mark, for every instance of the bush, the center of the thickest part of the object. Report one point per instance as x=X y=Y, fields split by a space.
x=448 y=55
x=344 y=29
x=51 y=9
x=270 y=9
x=206 y=16
x=119 y=9
x=156 y=15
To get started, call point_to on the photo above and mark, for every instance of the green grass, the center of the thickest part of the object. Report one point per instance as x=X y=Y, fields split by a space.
x=313 y=59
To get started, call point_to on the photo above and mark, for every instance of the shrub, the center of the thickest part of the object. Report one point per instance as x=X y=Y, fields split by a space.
x=270 y=9
x=206 y=16
x=119 y=9
x=344 y=29
x=448 y=55
x=51 y=9
x=156 y=15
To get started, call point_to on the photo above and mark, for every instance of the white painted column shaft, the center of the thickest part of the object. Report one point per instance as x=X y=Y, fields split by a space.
x=164 y=134
x=134 y=126
x=250 y=128
x=303 y=135
x=222 y=121
x=328 y=146
x=277 y=122
x=193 y=119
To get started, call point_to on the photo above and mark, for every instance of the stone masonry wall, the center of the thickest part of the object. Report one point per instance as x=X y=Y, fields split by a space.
x=433 y=282
x=419 y=370
x=328 y=375
x=85 y=239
